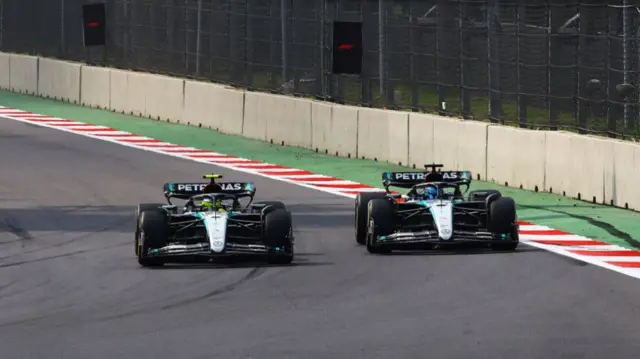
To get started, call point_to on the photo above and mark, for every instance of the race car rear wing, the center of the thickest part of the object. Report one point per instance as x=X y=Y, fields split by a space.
x=186 y=190
x=412 y=178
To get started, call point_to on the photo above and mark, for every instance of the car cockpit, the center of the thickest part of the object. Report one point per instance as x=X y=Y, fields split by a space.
x=435 y=191
x=212 y=202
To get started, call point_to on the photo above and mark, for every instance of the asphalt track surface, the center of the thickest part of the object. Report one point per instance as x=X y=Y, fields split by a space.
x=70 y=286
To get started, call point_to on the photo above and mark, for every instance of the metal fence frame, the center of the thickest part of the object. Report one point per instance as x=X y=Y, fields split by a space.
x=552 y=64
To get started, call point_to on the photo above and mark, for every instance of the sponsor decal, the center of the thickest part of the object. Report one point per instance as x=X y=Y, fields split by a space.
x=409 y=176
x=193 y=187
x=199 y=187
x=231 y=186
x=419 y=176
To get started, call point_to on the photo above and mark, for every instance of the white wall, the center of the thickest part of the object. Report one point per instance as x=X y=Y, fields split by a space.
x=560 y=162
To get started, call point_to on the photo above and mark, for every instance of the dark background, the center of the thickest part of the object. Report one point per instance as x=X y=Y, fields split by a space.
x=542 y=64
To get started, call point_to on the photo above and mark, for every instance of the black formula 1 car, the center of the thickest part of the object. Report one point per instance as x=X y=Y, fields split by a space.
x=434 y=213
x=212 y=223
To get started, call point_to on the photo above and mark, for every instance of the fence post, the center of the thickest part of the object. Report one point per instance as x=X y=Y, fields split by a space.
x=283 y=37
x=521 y=99
x=1 y=23
x=323 y=80
x=551 y=49
x=198 y=30
x=625 y=57
x=62 y=44
x=381 y=48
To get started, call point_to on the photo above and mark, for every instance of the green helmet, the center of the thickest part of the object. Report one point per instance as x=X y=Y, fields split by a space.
x=206 y=204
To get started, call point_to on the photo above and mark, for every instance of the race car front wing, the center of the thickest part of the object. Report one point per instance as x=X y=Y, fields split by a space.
x=204 y=250
x=431 y=236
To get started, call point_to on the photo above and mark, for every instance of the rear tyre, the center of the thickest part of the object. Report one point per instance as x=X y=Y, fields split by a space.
x=153 y=234
x=380 y=223
x=278 y=236
x=361 y=209
x=143 y=207
x=502 y=221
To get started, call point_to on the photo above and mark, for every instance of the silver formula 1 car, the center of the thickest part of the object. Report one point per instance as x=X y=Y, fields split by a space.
x=212 y=223
x=434 y=213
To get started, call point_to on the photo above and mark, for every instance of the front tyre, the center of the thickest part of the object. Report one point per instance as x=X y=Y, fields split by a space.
x=278 y=232
x=503 y=222
x=153 y=234
x=381 y=217
x=143 y=207
x=361 y=210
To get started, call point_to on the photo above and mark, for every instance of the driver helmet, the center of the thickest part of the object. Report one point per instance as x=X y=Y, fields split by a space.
x=206 y=204
x=220 y=206
x=431 y=193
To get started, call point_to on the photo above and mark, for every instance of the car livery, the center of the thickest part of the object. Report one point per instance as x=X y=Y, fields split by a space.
x=434 y=212
x=212 y=223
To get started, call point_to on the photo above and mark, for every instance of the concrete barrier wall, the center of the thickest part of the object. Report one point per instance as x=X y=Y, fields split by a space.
x=625 y=191
x=472 y=147
x=5 y=72
x=95 y=89
x=254 y=125
x=288 y=120
x=334 y=129
x=164 y=97
x=24 y=73
x=227 y=105
x=458 y=144
x=119 y=91
x=59 y=80
x=383 y=135
x=516 y=157
x=581 y=166
x=420 y=140
x=197 y=105
x=137 y=86
x=591 y=168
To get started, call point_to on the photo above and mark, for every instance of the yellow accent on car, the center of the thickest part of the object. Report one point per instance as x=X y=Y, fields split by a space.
x=212 y=176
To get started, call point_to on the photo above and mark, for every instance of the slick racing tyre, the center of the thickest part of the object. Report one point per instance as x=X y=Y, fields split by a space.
x=502 y=220
x=153 y=234
x=361 y=209
x=380 y=221
x=278 y=232
x=143 y=207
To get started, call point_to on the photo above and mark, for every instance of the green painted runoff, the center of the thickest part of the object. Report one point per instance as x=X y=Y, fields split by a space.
x=605 y=223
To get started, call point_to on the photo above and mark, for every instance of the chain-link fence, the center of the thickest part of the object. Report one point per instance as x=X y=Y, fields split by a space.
x=540 y=63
